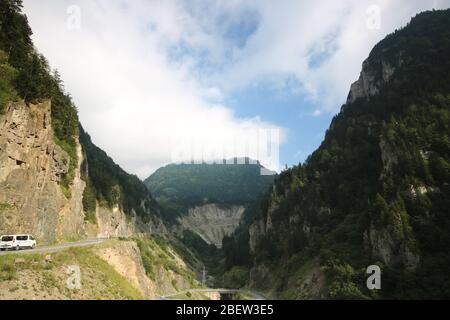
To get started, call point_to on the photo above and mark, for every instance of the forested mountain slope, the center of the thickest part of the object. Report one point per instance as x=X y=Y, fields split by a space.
x=54 y=182
x=182 y=186
x=375 y=192
x=209 y=199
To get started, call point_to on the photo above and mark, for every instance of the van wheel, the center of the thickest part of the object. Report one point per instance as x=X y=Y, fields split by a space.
x=17 y=248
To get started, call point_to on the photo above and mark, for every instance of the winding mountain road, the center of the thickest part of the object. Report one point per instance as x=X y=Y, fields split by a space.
x=55 y=247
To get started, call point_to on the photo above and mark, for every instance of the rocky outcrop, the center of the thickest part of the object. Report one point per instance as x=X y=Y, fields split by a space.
x=72 y=214
x=372 y=77
x=256 y=230
x=115 y=223
x=31 y=198
x=391 y=247
x=264 y=225
x=213 y=221
x=126 y=259
x=388 y=158
x=31 y=167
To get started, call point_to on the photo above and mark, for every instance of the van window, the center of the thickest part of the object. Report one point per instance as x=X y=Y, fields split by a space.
x=7 y=238
x=31 y=238
x=22 y=238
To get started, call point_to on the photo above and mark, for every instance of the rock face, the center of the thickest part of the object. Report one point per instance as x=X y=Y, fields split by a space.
x=126 y=259
x=31 y=198
x=213 y=221
x=386 y=244
x=115 y=223
x=31 y=166
x=372 y=76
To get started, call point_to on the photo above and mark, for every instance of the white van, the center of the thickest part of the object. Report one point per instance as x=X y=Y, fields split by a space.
x=17 y=242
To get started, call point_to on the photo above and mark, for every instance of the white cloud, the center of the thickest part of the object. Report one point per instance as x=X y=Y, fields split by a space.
x=147 y=73
x=320 y=43
x=133 y=100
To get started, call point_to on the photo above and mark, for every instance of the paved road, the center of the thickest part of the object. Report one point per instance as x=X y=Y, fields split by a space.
x=255 y=295
x=56 y=247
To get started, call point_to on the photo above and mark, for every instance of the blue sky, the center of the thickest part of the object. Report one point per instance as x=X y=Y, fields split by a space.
x=157 y=80
x=304 y=131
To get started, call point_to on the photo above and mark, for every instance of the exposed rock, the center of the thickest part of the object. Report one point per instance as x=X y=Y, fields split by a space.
x=370 y=80
x=312 y=282
x=31 y=198
x=72 y=215
x=126 y=259
x=387 y=245
x=213 y=221
x=31 y=166
x=388 y=157
x=113 y=223
x=256 y=231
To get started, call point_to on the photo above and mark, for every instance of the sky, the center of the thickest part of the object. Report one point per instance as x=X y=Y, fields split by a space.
x=157 y=82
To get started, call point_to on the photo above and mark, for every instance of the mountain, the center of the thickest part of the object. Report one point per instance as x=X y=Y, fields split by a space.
x=208 y=199
x=54 y=182
x=374 y=193
x=58 y=186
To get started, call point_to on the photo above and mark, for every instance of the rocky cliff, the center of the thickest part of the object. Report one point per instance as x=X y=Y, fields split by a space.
x=208 y=199
x=32 y=199
x=54 y=182
x=126 y=259
x=212 y=222
x=31 y=166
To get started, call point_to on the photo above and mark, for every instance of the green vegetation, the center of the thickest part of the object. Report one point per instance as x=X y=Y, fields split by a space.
x=181 y=186
x=158 y=252
x=343 y=281
x=7 y=271
x=195 y=251
x=26 y=74
x=99 y=280
x=8 y=75
x=89 y=200
x=382 y=170
x=110 y=185
x=235 y=278
x=5 y=206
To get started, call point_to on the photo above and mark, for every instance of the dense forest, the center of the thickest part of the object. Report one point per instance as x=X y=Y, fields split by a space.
x=377 y=189
x=26 y=75
x=178 y=187
x=107 y=183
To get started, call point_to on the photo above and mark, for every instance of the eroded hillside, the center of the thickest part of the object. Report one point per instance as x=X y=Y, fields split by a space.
x=115 y=269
